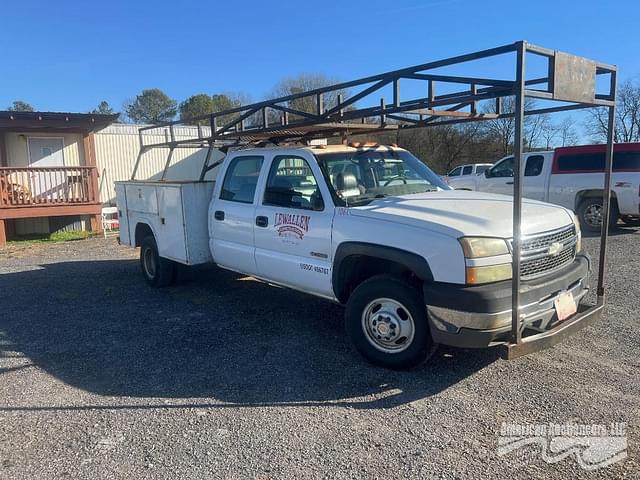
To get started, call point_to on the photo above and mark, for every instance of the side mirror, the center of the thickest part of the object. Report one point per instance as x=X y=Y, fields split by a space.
x=487 y=173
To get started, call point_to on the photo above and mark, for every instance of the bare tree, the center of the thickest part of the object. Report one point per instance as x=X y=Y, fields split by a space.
x=303 y=83
x=453 y=141
x=442 y=147
x=501 y=131
x=536 y=129
x=549 y=134
x=567 y=133
x=627 y=116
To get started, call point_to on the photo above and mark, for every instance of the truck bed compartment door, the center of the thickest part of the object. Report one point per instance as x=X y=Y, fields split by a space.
x=142 y=198
x=123 y=214
x=172 y=241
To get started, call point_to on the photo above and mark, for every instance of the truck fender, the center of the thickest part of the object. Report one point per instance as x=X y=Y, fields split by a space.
x=141 y=223
x=591 y=192
x=410 y=261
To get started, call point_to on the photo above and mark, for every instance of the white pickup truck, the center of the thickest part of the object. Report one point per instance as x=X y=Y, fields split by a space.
x=571 y=177
x=416 y=263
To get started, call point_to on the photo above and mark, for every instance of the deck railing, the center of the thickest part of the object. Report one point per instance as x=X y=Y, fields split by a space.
x=43 y=186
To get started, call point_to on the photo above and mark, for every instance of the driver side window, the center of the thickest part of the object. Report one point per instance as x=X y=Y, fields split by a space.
x=291 y=184
x=503 y=169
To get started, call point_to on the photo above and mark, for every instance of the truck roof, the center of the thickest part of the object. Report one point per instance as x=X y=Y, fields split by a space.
x=319 y=149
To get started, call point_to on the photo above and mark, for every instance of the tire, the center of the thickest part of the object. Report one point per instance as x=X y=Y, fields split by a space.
x=157 y=271
x=630 y=221
x=389 y=306
x=589 y=213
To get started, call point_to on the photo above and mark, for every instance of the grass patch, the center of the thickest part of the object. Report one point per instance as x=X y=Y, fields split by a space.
x=54 y=237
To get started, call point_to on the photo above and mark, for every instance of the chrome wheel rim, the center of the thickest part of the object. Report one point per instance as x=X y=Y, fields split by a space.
x=593 y=215
x=388 y=325
x=149 y=262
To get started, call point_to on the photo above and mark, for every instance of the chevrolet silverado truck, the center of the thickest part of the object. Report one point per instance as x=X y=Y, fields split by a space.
x=571 y=177
x=371 y=227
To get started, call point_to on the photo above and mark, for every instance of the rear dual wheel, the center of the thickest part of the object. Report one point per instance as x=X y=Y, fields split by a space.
x=157 y=271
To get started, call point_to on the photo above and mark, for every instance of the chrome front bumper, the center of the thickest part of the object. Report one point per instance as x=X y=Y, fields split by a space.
x=540 y=313
x=485 y=319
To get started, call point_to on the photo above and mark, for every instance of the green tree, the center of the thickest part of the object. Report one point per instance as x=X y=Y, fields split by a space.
x=196 y=106
x=103 y=108
x=227 y=101
x=202 y=104
x=152 y=106
x=20 y=106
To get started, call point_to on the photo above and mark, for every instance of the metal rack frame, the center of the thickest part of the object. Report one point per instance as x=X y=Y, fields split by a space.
x=570 y=79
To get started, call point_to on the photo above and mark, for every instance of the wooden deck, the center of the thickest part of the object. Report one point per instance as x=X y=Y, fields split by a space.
x=48 y=192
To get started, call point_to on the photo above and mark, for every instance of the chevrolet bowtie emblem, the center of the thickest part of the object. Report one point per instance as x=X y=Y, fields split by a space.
x=555 y=248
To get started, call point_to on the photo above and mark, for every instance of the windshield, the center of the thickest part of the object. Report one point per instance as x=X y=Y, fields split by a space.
x=358 y=177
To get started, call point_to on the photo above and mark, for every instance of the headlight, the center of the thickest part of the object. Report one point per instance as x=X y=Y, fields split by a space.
x=478 y=247
x=488 y=274
x=576 y=223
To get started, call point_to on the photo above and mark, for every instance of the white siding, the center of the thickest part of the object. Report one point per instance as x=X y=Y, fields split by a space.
x=18 y=156
x=117 y=148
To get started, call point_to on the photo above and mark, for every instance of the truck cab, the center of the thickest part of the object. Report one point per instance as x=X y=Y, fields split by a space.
x=371 y=227
x=499 y=178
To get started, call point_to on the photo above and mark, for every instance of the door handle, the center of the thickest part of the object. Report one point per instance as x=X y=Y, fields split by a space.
x=509 y=183
x=262 y=221
x=218 y=215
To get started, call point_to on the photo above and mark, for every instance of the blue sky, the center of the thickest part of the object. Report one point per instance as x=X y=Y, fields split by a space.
x=68 y=56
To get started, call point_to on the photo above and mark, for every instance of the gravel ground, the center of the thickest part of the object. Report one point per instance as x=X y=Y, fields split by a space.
x=104 y=377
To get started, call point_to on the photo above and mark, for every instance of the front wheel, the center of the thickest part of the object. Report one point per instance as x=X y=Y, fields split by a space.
x=157 y=271
x=386 y=320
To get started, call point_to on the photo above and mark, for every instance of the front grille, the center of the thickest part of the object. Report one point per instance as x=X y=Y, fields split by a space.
x=539 y=266
x=543 y=241
x=536 y=260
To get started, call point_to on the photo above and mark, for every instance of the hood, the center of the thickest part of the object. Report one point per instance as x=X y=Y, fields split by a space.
x=463 y=213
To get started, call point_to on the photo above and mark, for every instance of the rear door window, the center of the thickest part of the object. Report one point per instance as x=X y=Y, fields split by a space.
x=534 y=166
x=467 y=170
x=241 y=179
